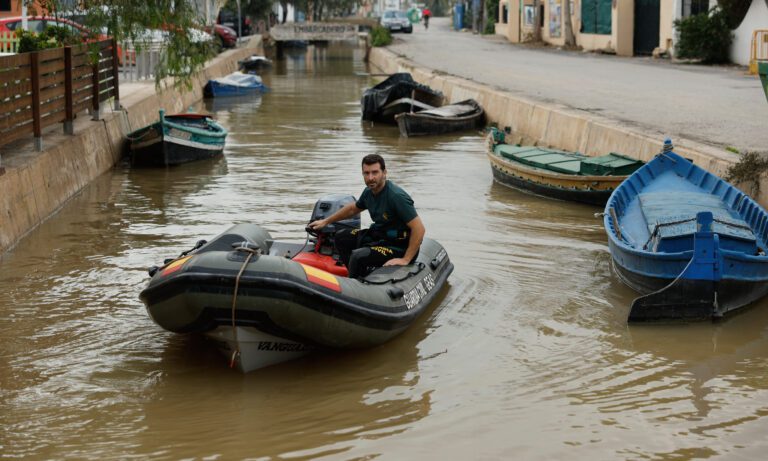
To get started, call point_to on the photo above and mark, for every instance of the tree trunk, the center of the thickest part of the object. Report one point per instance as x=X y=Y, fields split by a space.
x=570 y=39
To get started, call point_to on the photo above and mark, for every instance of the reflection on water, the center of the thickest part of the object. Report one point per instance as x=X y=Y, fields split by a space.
x=526 y=355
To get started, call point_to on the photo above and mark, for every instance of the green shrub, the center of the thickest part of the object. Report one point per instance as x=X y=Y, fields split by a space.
x=380 y=36
x=492 y=7
x=704 y=36
x=51 y=37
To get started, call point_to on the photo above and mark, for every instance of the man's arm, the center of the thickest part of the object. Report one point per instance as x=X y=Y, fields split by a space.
x=417 y=235
x=347 y=211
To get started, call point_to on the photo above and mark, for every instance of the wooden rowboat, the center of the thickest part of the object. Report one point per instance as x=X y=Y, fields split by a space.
x=558 y=174
x=464 y=115
x=691 y=244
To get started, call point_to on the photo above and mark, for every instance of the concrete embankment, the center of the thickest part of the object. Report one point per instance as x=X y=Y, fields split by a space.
x=36 y=184
x=550 y=125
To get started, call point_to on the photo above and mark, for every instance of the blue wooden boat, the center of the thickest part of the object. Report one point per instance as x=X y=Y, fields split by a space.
x=177 y=139
x=693 y=245
x=234 y=84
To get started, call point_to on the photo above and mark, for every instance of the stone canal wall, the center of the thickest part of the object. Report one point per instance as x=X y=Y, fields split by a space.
x=36 y=184
x=555 y=126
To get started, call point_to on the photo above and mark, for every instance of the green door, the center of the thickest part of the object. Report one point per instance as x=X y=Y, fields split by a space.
x=646 y=26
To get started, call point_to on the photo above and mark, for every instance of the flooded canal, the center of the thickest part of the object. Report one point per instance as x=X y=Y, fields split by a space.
x=527 y=355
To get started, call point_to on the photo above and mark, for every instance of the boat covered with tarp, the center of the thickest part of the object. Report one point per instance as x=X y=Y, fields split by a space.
x=463 y=115
x=234 y=84
x=397 y=94
x=176 y=139
x=267 y=301
x=691 y=244
x=254 y=63
x=557 y=173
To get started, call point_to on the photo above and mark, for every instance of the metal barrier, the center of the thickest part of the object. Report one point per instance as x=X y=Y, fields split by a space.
x=46 y=87
x=758 y=49
x=137 y=65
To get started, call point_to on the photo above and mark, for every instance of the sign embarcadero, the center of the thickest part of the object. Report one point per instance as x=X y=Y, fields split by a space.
x=314 y=31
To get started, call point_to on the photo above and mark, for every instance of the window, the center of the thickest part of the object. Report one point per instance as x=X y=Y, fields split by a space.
x=694 y=7
x=5 y=5
x=596 y=17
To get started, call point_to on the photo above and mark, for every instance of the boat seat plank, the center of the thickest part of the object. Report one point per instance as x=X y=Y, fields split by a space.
x=412 y=101
x=675 y=216
x=454 y=110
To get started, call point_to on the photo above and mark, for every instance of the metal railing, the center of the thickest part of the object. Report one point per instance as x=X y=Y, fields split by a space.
x=43 y=88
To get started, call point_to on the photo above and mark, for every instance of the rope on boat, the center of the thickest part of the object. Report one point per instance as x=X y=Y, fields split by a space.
x=251 y=251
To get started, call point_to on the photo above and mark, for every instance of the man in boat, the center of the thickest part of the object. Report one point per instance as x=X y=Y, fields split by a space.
x=394 y=237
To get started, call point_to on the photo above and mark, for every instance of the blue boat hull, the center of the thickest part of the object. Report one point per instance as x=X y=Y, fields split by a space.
x=215 y=89
x=690 y=243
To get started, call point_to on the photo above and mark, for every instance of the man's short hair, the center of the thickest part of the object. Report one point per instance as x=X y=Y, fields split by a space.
x=373 y=159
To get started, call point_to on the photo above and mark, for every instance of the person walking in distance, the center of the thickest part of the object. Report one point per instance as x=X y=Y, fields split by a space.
x=394 y=237
x=425 y=13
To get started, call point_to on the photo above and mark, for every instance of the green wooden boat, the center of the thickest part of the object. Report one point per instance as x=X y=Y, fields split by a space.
x=762 y=69
x=176 y=139
x=557 y=173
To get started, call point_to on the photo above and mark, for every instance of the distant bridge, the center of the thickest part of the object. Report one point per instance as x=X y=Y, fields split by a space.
x=320 y=31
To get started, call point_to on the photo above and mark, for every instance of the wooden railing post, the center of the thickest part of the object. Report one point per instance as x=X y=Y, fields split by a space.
x=95 y=90
x=115 y=68
x=69 y=114
x=34 y=70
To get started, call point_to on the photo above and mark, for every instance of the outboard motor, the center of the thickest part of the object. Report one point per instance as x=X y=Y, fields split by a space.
x=324 y=208
x=329 y=205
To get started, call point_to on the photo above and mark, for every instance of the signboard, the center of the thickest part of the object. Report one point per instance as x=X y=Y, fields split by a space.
x=314 y=31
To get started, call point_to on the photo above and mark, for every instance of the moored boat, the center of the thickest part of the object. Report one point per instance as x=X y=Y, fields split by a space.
x=558 y=174
x=176 y=139
x=464 y=115
x=397 y=94
x=762 y=69
x=267 y=301
x=234 y=84
x=255 y=63
x=690 y=243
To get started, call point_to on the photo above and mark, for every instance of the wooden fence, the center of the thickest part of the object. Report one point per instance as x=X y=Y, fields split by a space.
x=46 y=87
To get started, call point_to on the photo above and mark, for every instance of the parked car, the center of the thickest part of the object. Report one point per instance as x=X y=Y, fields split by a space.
x=229 y=18
x=225 y=36
x=38 y=24
x=397 y=21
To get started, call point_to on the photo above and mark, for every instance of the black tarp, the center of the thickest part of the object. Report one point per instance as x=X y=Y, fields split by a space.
x=400 y=85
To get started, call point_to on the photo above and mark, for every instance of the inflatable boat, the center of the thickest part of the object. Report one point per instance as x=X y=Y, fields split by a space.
x=267 y=301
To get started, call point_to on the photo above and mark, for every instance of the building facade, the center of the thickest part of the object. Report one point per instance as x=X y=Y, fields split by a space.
x=624 y=27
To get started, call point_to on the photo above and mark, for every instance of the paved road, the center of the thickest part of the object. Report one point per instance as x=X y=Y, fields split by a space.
x=719 y=106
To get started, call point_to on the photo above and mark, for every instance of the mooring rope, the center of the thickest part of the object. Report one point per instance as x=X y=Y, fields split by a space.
x=251 y=252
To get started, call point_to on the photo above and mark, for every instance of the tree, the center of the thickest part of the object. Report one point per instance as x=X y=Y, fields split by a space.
x=176 y=24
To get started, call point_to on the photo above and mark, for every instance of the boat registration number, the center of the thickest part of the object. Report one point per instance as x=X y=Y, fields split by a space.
x=180 y=134
x=417 y=293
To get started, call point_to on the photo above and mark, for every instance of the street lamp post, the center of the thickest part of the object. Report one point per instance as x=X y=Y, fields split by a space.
x=239 y=23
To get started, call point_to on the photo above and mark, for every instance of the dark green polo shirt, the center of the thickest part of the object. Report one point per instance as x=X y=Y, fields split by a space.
x=390 y=210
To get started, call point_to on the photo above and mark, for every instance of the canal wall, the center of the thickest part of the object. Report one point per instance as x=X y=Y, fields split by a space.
x=560 y=127
x=36 y=184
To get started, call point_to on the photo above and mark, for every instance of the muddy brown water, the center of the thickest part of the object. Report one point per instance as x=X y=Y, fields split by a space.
x=526 y=355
